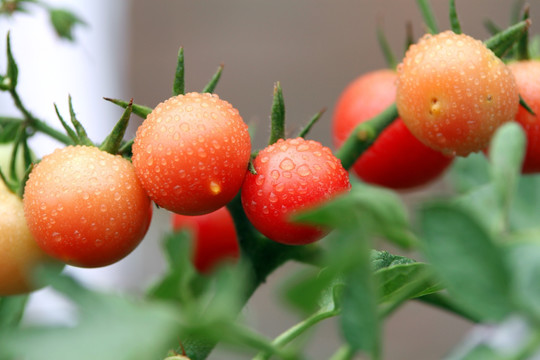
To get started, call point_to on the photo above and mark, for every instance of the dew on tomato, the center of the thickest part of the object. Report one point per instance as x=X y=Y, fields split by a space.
x=86 y=207
x=292 y=175
x=453 y=93
x=191 y=153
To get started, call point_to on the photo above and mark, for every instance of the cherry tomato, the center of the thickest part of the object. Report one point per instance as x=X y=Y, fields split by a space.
x=396 y=159
x=292 y=175
x=19 y=252
x=191 y=153
x=86 y=207
x=214 y=237
x=453 y=93
x=527 y=74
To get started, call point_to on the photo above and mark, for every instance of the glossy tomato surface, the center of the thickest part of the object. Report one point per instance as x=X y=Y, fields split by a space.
x=453 y=93
x=191 y=153
x=397 y=159
x=292 y=175
x=527 y=75
x=214 y=236
x=19 y=252
x=86 y=207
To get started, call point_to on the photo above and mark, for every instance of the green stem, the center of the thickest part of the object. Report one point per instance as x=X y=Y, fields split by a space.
x=364 y=135
x=344 y=353
x=297 y=330
x=257 y=341
x=37 y=124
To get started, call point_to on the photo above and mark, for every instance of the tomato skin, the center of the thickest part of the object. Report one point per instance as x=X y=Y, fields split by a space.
x=292 y=175
x=19 y=252
x=453 y=93
x=397 y=159
x=527 y=74
x=214 y=237
x=86 y=207
x=191 y=153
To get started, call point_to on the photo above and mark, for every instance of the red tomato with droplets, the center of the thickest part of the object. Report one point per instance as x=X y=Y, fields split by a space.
x=86 y=207
x=453 y=93
x=214 y=236
x=527 y=74
x=397 y=159
x=19 y=253
x=191 y=153
x=292 y=175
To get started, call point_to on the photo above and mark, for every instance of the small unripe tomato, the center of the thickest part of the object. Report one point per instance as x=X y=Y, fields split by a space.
x=19 y=252
x=292 y=175
x=191 y=153
x=86 y=207
x=453 y=93
x=214 y=236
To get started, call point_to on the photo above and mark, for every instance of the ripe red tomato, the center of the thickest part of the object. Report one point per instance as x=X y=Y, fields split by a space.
x=396 y=159
x=191 y=153
x=19 y=253
x=453 y=93
x=214 y=238
x=527 y=74
x=292 y=175
x=86 y=207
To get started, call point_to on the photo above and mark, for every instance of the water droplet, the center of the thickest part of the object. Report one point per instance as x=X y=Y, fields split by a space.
x=103 y=208
x=117 y=196
x=265 y=159
x=304 y=170
x=275 y=174
x=287 y=164
x=259 y=180
x=184 y=127
x=57 y=237
x=98 y=242
x=272 y=197
x=150 y=161
x=279 y=187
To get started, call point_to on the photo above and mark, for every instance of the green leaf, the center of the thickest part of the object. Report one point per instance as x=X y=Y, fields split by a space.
x=175 y=284
x=179 y=87
x=467 y=260
x=480 y=199
x=12 y=69
x=506 y=156
x=8 y=131
x=383 y=259
x=395 y=280
x=11 y=311
x=277 y=115
x=524 y=260
x=63 y=22
x=468 y=173
x=377 y=209
x=209 y=88
x=109 y=327
x=525 y=209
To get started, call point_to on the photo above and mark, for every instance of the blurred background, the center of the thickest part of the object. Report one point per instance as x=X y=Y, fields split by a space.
x=314 y=48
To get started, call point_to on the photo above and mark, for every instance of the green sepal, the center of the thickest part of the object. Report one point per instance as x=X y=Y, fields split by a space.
x=139 y=110
x=113 y=141
x=523 y=43
x=491 y=27
x=79 y=128
x=209 y=88
x=454 y=21
x=385 y=48
x=306 y=129
x=277 y=115
x=126 y=148
x=428 y=16
x=179 y=79
x=69 y=131
x=10 y=81
x=526 y=106
x=409 y=35
x=503 y=41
